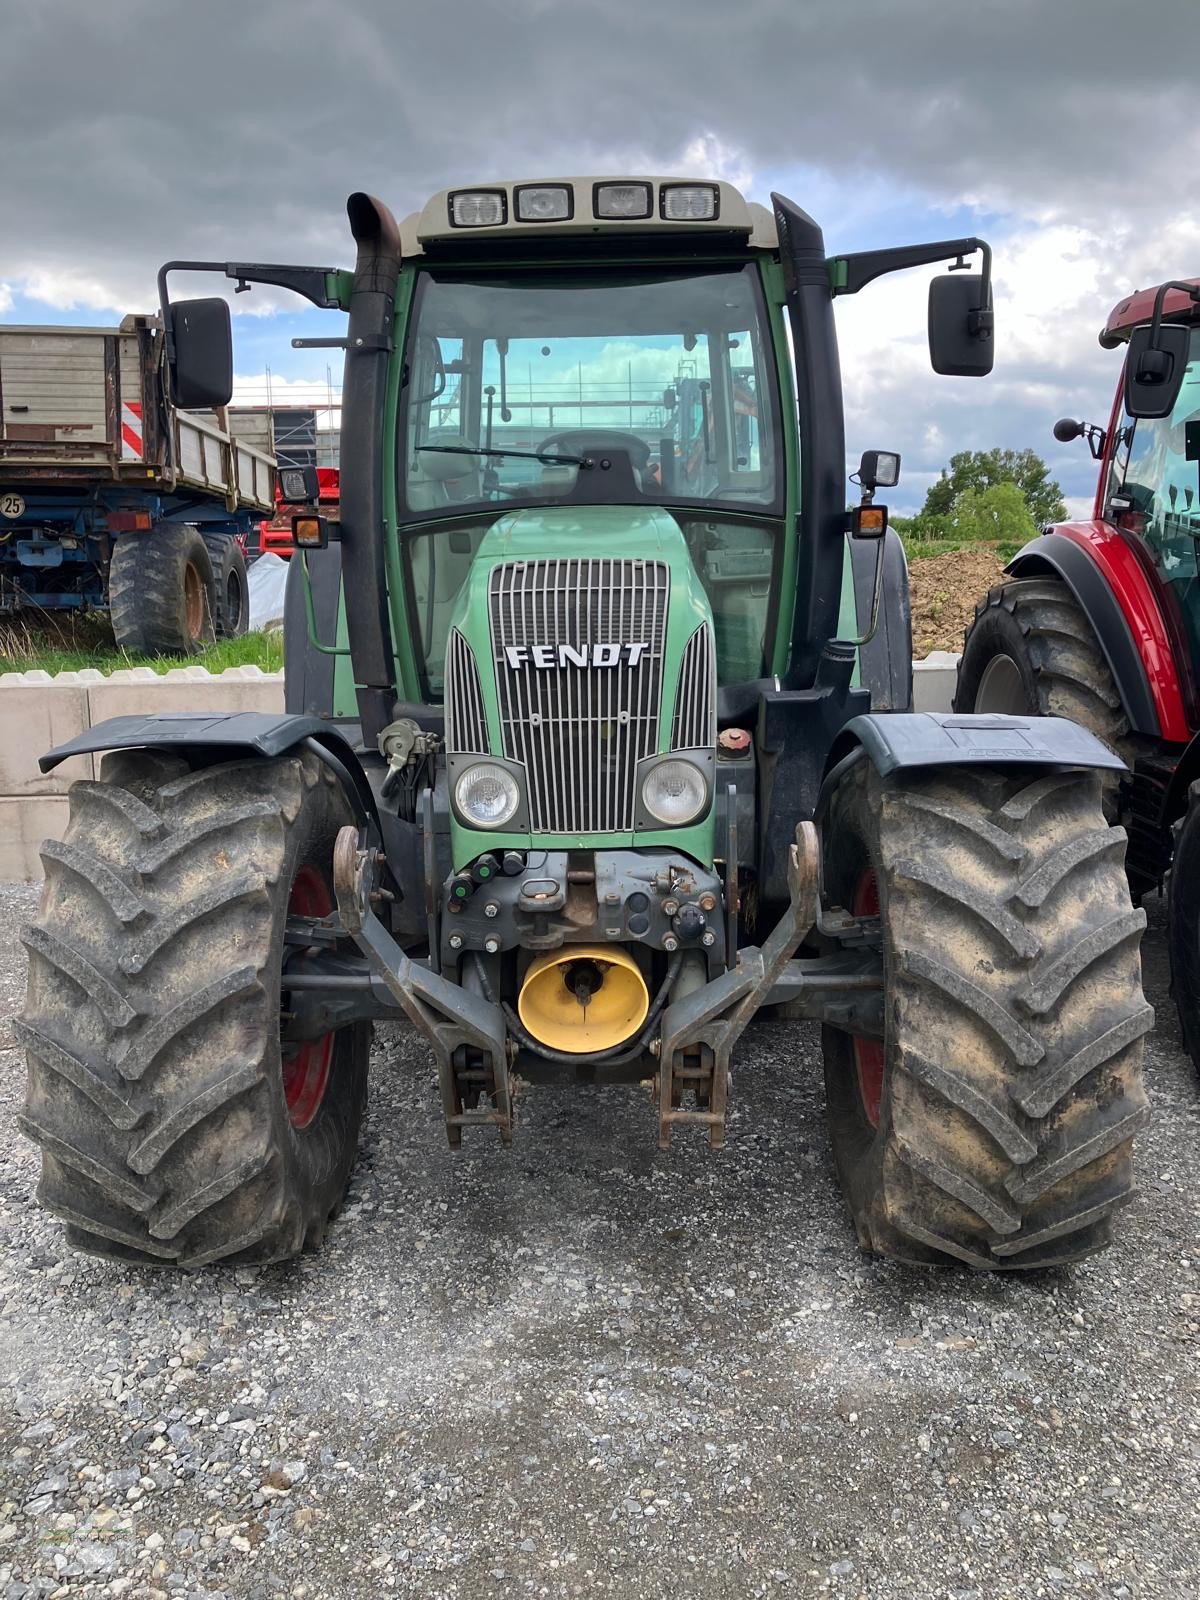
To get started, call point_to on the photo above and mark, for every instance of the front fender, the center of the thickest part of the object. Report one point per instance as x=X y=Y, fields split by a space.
x=943 y=739
x=206 y=737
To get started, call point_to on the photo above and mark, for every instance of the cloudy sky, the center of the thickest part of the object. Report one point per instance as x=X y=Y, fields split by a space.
x=1063 y=130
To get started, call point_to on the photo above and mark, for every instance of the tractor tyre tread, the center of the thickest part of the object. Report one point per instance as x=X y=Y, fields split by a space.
x=228 y=562
x=1070 y=675
x=1015 y=1018
x=151 y=1023
x=146 y=599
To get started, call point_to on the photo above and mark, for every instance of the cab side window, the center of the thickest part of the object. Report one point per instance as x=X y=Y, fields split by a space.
x=1151 y=470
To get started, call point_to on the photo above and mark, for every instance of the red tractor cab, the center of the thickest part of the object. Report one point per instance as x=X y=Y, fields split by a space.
x=1099 y=620
x=275 y=537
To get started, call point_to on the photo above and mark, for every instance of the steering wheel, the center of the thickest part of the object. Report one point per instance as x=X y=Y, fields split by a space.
x=595 y=441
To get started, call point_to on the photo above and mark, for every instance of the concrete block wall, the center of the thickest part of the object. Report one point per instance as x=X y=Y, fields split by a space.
x=38 y=711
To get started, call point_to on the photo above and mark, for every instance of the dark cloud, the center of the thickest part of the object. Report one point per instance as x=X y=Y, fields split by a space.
x=143 y=128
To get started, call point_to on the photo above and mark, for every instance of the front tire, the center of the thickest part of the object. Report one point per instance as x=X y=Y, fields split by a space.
x=993 y=1123
x=176 y=1127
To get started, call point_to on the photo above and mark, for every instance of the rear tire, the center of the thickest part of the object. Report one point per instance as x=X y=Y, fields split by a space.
x=1183 y=924
x=174 y=1128
x=995 y=1126
x=231 y=596
x=160 y=588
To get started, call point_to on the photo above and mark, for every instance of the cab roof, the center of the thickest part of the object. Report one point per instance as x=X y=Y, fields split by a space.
x=736 y=220
x=1137 y=308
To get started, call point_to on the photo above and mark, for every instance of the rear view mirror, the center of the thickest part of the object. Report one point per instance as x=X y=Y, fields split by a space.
x=960 y=328
x=202 y=354
x=1154 y=371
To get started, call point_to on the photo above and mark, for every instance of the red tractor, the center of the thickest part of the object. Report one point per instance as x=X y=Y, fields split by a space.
x=1099 y=621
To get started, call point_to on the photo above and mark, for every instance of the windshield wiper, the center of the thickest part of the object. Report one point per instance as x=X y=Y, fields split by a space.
x=524 y=455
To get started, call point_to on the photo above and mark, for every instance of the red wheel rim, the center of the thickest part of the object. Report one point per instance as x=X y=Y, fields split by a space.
x=869 y=1057
x=306 y=1070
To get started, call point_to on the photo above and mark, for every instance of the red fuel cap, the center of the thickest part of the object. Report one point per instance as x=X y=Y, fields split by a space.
x=734 y=742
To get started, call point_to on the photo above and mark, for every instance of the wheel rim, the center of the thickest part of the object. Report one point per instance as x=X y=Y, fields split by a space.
x=193 y=600
x=306 y=1070
x=1001 y=689
x=869 y=1056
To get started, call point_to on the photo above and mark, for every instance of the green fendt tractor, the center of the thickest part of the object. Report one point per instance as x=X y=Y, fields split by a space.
x=598 y=739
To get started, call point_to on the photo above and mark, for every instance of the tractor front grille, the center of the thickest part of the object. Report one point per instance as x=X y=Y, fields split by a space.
x=578 y=649
x=695 y=725
x=466 y=722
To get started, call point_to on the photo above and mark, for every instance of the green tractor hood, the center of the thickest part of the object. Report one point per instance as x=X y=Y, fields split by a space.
x=589 y=532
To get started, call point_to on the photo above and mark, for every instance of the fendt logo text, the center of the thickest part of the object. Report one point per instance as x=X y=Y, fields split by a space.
x=567 y=655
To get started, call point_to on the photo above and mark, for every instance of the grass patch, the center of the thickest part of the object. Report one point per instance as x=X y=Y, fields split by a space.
x=72 y=644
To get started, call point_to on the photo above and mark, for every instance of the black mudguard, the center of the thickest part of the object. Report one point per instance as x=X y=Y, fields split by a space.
x=207 y=736
x=308 y=673
x=943 y=739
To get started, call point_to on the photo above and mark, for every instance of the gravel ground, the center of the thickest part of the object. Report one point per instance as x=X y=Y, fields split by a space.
x=587 y=1366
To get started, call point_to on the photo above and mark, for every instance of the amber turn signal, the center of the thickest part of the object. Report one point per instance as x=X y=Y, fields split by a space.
x=869 y=522
x=309 y=532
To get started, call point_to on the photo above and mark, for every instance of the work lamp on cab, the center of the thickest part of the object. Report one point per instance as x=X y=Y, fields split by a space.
x=689 y=202
x=627 y=201
x=477 y=208
x=543 y=202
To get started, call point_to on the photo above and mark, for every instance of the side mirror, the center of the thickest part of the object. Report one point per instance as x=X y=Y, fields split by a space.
x=201 y=345
x=1066 y=429
x=960 y=329
x=299 y=486
x=1154 y=370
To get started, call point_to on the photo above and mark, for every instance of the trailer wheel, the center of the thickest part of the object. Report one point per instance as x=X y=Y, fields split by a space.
x=992 y=1124
x=176 y=1126
x=160 y=587
x=1031 y=651
x=231 y=596
x=1183 y=924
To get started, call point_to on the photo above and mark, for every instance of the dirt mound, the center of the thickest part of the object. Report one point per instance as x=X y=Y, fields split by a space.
x=945 y=590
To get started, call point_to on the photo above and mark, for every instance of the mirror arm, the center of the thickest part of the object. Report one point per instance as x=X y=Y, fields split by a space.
x=849 y=274
x=1160 y=297
x=310 y=282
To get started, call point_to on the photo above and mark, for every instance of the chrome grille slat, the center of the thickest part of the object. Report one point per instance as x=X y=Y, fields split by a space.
x=579 y=731
x=466 y=722
x=695 y=724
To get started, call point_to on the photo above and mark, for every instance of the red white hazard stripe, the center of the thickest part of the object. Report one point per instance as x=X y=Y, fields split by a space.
x=132 y=448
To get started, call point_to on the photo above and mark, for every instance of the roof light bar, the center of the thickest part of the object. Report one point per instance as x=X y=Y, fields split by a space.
x=689 y=202
x=626 y=200
x=477 y=208
x=543 y=202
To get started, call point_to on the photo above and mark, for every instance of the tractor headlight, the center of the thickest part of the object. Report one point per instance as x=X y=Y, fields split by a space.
x=486 y=796
x=675 y=792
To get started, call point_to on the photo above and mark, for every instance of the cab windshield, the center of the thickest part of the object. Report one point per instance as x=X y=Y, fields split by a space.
x=544 y=386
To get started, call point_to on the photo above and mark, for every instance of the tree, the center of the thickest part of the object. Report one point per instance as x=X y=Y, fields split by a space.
x=981 y=470
x=999 y=512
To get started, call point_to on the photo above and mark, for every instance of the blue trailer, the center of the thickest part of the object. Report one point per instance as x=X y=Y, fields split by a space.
x=112 y=498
